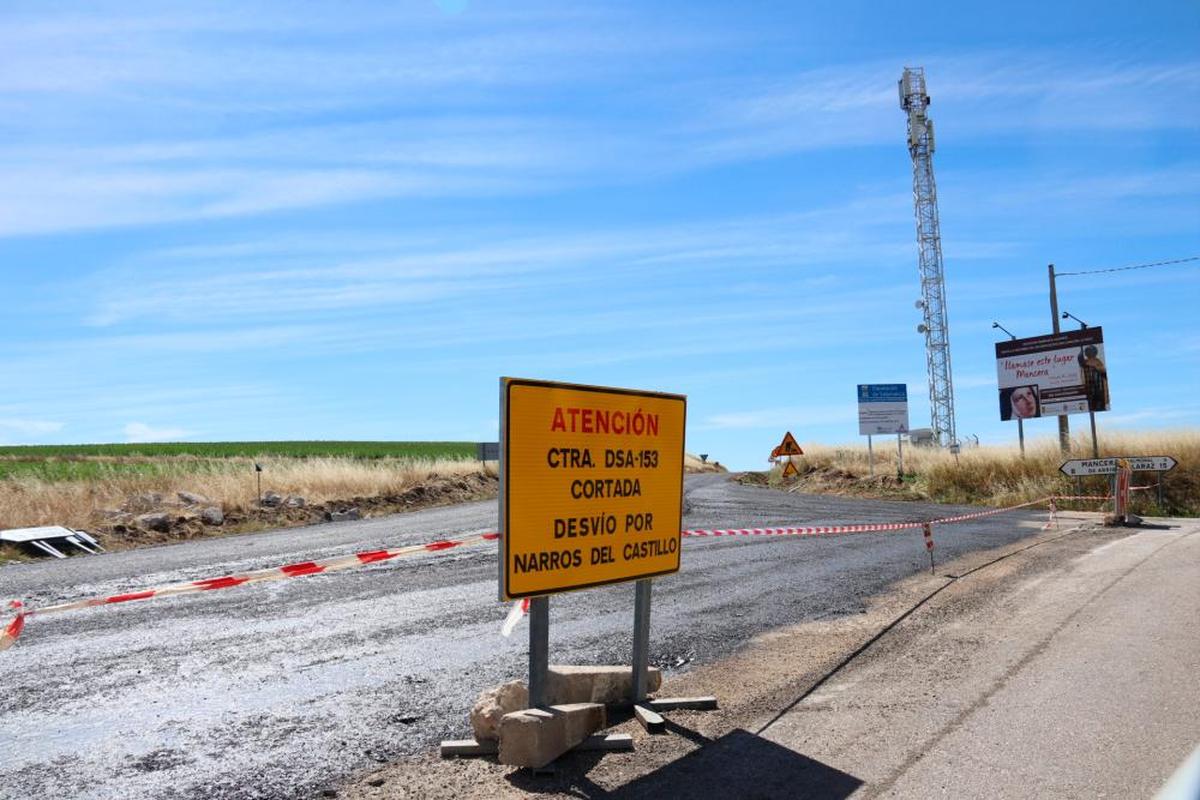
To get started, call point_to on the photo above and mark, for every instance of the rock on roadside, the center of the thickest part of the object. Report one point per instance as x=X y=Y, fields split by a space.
x=491 y=707
x=141 y=502
x=212 y=516
x=155 y=522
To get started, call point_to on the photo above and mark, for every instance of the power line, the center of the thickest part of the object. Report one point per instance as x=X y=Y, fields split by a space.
x=1135 y=266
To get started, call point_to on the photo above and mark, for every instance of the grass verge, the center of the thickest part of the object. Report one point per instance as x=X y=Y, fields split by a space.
x=996 y=476
x=110 y=496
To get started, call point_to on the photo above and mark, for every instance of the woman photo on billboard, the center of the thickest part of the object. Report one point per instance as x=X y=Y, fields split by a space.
x=1020 y=402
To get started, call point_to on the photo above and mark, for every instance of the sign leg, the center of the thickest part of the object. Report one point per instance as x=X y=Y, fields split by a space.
x=870 y=456
x=641 y=638
x=1095 y=444
x=1021 y=435
x=1162 y=476
x=539 y=649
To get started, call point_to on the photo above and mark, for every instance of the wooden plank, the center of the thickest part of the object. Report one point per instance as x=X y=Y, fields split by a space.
x=650 y=720
x=670 y=703
x=612 y=741
x=468 y=747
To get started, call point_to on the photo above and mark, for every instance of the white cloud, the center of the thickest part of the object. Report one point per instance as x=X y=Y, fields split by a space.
x=262 y=280
x=141 y=432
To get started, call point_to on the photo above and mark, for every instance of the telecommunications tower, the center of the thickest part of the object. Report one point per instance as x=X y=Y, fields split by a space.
x=932 y=304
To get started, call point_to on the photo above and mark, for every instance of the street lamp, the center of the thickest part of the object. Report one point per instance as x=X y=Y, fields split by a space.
x=1068 y=315
x=1006 y=330
x=1020 y=421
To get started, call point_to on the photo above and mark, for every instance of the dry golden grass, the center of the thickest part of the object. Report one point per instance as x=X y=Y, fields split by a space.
x=228 y=482
x=1000 y=476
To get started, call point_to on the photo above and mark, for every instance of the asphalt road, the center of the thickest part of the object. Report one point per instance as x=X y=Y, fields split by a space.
x=1070 y=671
x=277 y=690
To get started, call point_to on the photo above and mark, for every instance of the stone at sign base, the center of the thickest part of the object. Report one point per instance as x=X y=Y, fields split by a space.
x=596 y=684
x=491 y=707
x=536 y=736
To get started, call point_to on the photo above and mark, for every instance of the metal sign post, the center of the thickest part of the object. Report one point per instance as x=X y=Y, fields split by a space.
x=539 y=649
x=641 y=638
x=899 y=459
x=870 y=456
x=1095 y=443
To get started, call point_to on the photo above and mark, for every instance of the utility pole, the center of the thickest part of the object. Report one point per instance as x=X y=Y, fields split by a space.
x=1064 y=428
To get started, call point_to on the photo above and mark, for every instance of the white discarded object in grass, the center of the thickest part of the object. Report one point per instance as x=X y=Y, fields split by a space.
x=42 y=539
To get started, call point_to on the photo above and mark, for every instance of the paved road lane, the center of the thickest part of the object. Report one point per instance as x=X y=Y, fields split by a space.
x=1072 y=674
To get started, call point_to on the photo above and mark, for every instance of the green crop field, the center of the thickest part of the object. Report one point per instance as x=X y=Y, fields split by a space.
x=55 y=470
x=314 y=449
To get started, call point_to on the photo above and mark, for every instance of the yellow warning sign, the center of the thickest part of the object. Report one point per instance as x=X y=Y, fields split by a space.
x=789 y=469
x=591 y=485
x=788 y=447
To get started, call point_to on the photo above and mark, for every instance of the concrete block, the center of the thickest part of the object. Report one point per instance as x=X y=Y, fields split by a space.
x=611 y=685
x=612 y=741
x=706 y=703
x=493 y=704
x=536 y=736
x=467 y=747
x=652 y=721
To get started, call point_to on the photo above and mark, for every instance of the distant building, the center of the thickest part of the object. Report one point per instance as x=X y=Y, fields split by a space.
x=922 y=437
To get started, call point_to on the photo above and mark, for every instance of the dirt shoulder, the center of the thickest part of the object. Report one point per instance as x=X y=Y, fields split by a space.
x=718 y=753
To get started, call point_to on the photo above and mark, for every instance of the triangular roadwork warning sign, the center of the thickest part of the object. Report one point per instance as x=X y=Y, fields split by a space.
x=789 y=469
x=788 y=447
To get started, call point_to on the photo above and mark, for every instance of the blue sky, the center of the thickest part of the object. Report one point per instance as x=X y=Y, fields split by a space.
x=348 y=220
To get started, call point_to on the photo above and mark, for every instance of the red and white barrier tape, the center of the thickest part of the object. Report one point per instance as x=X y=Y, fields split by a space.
x=515 y=614
x=229 y=581
x=14 y=628
x=819 y=530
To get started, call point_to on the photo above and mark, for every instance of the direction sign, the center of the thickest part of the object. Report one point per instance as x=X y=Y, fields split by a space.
x=788 y=447
x=591 y=485
x=1080 y=467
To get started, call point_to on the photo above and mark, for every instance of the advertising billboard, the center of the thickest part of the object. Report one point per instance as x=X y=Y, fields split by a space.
x=1045 y=376
x=882 y=408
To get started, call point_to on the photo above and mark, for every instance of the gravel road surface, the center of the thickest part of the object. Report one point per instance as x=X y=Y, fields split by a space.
x=279 y=690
